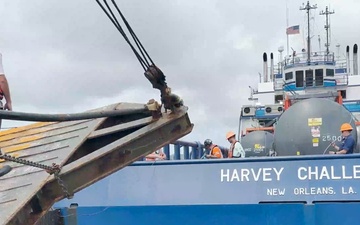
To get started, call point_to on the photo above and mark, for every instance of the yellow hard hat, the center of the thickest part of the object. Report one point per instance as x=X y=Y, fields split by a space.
x=345 y=127
x=229 y=134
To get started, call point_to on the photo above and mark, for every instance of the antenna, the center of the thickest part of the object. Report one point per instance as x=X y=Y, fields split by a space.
x=338 y=51
x=260 y=77
x=251 y=92
x=280 y=50
x=308 y=7
x=319 y=39
x=327 y=26
x=287 y=26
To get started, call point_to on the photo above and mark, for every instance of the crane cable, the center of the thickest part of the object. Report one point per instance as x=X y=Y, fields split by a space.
x=152 y=72
x=154 y=75
x=143 y=61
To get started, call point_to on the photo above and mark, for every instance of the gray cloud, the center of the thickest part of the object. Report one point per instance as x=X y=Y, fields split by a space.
x=66 y=56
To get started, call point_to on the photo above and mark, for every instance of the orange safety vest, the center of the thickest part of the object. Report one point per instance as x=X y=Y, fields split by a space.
x=231 y=150
x=211 y=151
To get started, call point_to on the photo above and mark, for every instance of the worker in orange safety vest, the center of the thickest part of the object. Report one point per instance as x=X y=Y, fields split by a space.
x=215 y=151
x=236 y=150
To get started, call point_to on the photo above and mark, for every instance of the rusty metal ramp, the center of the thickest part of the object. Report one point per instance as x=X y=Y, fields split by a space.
x=86 y=150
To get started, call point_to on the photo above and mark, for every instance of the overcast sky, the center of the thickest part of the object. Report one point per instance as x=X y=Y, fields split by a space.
x=66 y=56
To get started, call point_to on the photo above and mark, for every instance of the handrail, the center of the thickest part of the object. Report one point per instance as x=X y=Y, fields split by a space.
x=185 y=150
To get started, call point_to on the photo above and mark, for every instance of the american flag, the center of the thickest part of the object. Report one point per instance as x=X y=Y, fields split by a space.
x=293 y=30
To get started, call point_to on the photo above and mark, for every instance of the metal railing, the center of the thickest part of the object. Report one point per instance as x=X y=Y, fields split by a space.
x=315 y=57
x=341 y=74
x=279 y=84
x=184 y=150
x=341 y=64
x=340 y=78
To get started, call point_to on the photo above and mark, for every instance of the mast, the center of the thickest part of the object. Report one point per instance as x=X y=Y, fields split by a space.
x=327 y=26
x=308 y=7
x=287 y=25
x=338 y=51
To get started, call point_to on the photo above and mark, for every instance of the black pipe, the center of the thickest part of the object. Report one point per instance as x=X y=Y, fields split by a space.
x=271 y=67
x=355 y=60
x=348 y=59
x=21 y=116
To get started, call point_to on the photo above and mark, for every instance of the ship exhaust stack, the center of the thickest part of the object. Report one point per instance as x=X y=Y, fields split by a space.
x=265 y=75
x=271 y=67
x=355 y=60
x=348 y=60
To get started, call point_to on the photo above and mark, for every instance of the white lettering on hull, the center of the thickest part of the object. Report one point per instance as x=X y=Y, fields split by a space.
x=314 y=191
x=247 y=175
x=347 y=191
x=301 y=181
x=329 y=173
x=275 y=191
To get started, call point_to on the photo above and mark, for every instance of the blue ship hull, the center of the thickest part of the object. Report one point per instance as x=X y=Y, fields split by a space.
x=270 y=214
x=295 y=190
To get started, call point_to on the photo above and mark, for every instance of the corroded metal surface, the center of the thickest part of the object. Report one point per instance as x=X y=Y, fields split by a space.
x=48 y=143
x=45 y=143
x=88 y=150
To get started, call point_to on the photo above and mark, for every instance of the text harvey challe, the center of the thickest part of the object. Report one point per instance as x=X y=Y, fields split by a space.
x=302 y=174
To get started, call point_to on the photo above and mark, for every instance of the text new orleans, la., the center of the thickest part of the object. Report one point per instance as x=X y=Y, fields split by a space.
x=303 y=173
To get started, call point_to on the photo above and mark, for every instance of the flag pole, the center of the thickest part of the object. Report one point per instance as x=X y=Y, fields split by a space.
x=287 y=26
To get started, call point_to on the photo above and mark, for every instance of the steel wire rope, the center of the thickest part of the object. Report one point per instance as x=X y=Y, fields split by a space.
x=119 y=28
x=89 y=115
x=129 y=29
x=143 y=61
x=136 y=39
x=152 y=72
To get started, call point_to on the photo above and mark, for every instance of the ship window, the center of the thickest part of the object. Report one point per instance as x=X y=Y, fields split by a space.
x=309 y=78
x=319 y=77
x=289 y=76
x=330 y=72
x=278 y=98
x=299 y=78
x=343 y=93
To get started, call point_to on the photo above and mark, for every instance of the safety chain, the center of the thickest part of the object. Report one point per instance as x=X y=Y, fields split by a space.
x=53 y=169
x=62 y=185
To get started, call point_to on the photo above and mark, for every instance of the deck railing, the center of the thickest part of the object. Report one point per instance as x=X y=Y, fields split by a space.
x=315 y=58
x=184 y=150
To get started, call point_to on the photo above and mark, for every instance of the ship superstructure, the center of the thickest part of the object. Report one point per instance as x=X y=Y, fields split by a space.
x=299 y=76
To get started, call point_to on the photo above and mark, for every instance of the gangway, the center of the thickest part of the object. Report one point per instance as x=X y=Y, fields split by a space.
x=87 y=150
